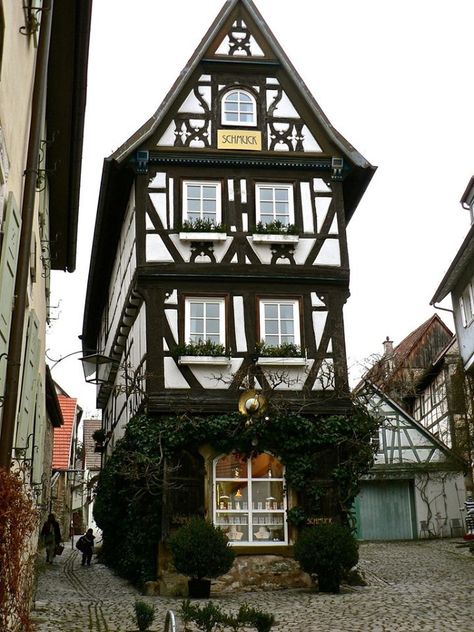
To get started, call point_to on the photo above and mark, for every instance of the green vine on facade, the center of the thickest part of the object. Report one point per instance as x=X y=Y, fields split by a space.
x=324 y=456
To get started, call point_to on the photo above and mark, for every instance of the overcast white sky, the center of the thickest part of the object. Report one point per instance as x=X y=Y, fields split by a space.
x=395 y=78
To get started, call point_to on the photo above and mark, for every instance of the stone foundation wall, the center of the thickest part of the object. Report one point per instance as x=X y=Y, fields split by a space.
x=262 y=572
x=248 y=573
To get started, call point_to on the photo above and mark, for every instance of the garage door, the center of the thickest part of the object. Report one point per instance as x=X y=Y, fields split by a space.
x=385 y=511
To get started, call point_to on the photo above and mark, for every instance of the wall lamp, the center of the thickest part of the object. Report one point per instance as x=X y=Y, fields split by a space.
x=97 y=368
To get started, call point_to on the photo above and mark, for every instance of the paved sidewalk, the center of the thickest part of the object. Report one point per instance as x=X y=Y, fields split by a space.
x=414 y=586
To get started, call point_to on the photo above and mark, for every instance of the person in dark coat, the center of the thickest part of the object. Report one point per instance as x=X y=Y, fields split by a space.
x=51 y=535
x=87 y=547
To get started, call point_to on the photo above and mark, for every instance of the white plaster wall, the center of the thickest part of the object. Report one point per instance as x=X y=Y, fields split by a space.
x=445 y=500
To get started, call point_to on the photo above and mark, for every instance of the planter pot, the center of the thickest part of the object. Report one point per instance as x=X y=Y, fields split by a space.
x=199 y=588
x=328 y=584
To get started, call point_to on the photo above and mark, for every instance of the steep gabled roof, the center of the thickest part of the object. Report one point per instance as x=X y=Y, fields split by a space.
x=117 y=176
x=417 y=353
x=63 y=436
x=405 y=350
x=223 y=19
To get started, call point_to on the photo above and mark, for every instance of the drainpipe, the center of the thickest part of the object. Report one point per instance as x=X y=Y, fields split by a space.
x=27 y=215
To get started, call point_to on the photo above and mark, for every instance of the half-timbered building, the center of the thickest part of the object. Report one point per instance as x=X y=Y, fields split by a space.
x=220 y=259
x=415 y=488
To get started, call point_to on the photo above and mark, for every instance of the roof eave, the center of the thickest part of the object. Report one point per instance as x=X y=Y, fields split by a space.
x=457 y=267
x=65 y=113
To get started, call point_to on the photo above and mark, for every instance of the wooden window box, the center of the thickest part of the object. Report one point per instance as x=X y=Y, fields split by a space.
x=211 y=236
x=264 y=238
x=275 y=361
x=210 y=360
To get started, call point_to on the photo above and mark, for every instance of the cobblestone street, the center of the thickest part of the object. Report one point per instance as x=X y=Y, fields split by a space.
x=424 y=585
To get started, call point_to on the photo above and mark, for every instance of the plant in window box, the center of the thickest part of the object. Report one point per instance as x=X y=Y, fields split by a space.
x=201 y=551
x=202 y=348
x=285 y=350
x=202 y=226
x=276 y=228
x=99 y=436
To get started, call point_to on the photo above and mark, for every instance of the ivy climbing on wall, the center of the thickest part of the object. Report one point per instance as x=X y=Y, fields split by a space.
x=324 y=457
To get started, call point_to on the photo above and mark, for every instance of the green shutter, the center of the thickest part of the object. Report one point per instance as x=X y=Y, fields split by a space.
x=8 y=263
x=40 y=433
x=29 y=384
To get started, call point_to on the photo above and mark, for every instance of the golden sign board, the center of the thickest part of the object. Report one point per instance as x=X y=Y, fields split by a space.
x=239 y=139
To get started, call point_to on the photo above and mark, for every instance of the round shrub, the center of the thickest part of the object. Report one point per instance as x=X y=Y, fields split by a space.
x=201 y=550
x=328 y=551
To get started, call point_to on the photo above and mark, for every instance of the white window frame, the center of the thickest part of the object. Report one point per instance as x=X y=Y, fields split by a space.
x=296 y=319
x=238 y=122
x=202 y=183
x=189 y=300
x=466 y=303
x=248 y=513
x=275 y=185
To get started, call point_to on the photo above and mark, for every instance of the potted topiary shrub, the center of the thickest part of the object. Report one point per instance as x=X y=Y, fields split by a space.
x=200 y=551
x=328 y=551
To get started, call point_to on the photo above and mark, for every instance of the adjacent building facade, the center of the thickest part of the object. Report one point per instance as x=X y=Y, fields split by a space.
x=416 y=487
x=220 y=266
x=43 y=55
x=459 y=283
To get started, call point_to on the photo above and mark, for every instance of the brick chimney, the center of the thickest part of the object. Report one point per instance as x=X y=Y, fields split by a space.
x=387 y=347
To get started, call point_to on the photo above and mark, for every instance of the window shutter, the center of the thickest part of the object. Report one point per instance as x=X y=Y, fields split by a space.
x=40 y=432
x=29 y=385
x=8 y=264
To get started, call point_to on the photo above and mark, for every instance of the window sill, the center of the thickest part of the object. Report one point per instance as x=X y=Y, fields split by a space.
x=264 y=238
x=275 y=361
x=212 y=236
x=204 y=360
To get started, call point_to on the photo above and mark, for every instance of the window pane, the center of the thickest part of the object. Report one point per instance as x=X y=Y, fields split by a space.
x=231 y=107
x=212 y=310
x=286 y=311
x=194 y=206
x=210 y=192
x=245 y=97
x=212 y=327
x=197 y=326
x=213 y=338
x=272 y=341
x=281 y=207
x=271 y=310
x=287 y=327
x=246 y=107
x=194 y=191
x=281 y=194
x=197 y=309
x=209 y=206
x=271 y=327
x=231 y=466
x=266 y=208
x=266 y=194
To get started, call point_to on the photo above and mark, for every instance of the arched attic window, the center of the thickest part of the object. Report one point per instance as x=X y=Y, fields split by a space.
x=239 y=107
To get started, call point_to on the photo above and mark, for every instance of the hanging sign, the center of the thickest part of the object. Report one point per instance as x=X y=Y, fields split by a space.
x=239 y=139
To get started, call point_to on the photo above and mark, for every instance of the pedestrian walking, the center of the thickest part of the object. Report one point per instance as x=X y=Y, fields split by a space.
x=85 y=544
x=51 y=536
